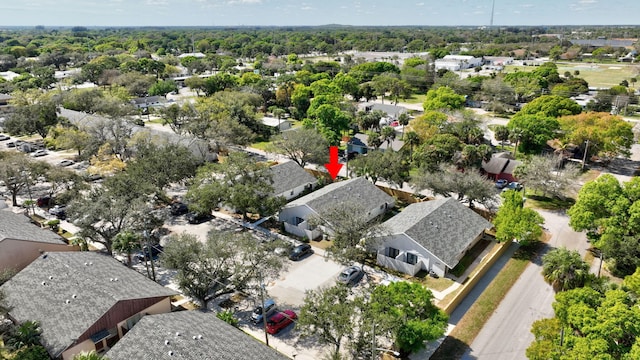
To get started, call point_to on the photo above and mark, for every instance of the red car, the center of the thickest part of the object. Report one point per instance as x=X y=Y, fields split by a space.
x=280 y=321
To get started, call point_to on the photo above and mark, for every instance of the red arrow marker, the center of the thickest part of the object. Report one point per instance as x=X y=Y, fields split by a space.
x=333 y=166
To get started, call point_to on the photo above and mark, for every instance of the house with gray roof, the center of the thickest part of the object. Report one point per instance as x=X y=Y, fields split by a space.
x=82 y=300
x=501 y=166
x=22 y=241
x=363 y=193
x=360 y=143
x=431 y=235
x=290 y=180
x=189 y=335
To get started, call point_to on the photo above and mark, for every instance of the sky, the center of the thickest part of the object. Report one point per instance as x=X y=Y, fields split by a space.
x=316 y=12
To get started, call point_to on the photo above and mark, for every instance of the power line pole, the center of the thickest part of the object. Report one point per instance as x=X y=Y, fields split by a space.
x=493 y=6
x=584 y=157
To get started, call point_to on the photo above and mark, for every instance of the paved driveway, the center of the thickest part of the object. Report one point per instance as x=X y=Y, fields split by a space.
x=310 y=273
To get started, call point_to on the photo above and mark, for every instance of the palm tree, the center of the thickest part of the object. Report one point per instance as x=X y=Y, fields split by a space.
x=388 y=134
x=501 y=134
x=412 y=140
x=27 y=334
x=89 y=356
x=564 y=269
x=403 y=119
x=127 y=241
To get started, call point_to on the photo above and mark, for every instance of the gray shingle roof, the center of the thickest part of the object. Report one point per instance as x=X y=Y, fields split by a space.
x=44 y=292
x=359 y=189
x=444 y=227
x=18 y=227
x=500 y=163
x=220 y=341
x=288 y=176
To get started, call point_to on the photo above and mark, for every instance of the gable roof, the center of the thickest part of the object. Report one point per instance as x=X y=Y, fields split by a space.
x=44 y=292
x=288 y=175
x=19 y=227
x=155 y=336
x=500 y=163
x=359 y=190
x=392 y=110
x=445 y=227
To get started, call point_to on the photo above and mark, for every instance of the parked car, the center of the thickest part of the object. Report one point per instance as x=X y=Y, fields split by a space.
x=16 y=143
x=156 y=249
x=59 y=211
x=4 y=137
x=269 y=309
x=501 y=184
x=514 y=186
x=300 y=251
x=351 y=275
x=66 y=162
x=39 y=153
x=44 y=201
x=178 y=209
x=196 y=217
x=93 y=177
x=280 y=321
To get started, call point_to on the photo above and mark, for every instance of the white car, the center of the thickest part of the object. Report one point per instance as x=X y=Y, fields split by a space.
x=39 y=153
x=66 y=163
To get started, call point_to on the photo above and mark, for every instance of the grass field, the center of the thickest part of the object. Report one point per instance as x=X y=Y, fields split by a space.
x=597 y=75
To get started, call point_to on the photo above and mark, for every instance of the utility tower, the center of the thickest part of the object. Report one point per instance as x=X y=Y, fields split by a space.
x=493 y=7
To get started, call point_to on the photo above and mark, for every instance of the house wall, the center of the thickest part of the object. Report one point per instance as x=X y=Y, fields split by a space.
x=404 y=244
x=296 y=191
x=158 y=306
x=17 y=254
x=85 y=346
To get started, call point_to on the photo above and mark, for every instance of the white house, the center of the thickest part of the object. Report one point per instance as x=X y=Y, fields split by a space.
x=296 y=214
x=290 y=180
x=431 y=236
x=280 y=124
x=458 y=62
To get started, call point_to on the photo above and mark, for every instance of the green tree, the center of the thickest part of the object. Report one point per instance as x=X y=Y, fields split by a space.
x=551 y=106
x=533 y=131
x=501 y=134
x=439 y=149
x=328 y=314
x=32 y=352
x=388 y=165
x=302 y=146
x=404 y=312
x=547 y=174
x=608 y=135
x=513 y=222
x=19 y=172
x=163 y=87
x=223 y=264
x=168 y=163
x=127 y=242
x=564 y=269
x=24 y=335
x=92 y=355
x=443 y=98
x=330 y=121
x=34 y=113
x=239 y=182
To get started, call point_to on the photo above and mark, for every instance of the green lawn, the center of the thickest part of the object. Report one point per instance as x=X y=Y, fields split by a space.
x=547 y=203
x=415 y=99
x=597 y=75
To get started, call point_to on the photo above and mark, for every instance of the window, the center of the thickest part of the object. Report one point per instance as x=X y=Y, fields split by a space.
x=297 y=221
x=412 y=259
x=392 y=252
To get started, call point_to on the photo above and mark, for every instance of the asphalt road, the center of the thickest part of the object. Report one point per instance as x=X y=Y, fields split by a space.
x=506 y=335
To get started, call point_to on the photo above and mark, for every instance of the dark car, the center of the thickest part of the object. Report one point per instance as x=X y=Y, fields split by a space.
x=196 y=217
x=59 y=211
x=178 y=209
x=156 y=250
x=280 y=321
x=44 y=201
x=300 y=251
x=514 y=186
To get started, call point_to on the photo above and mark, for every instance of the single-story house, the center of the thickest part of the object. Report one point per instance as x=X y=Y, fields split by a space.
x=83 y=301
x=143 y=103
x=189 y=335
x=500 y=166
x=458 y=62
x=21 y=241
x=392 y=111
x=290 y=180
x=432 y=235
x=359 y=143
x=498 y=60
x=296 y=214
x=275 y=123
x=198 y=55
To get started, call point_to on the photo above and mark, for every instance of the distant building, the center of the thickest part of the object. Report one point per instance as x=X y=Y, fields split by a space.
x=500 y=166
x=144 y=103
x=280 y=124
x=457 y=62
x=198 y=55
x=290 y=180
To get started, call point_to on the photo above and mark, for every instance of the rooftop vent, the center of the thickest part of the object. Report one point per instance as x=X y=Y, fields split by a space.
x=194 y=337
x=177 y=333
x=50 y=277
x=199 y=336
x=67 y=301
x=74 y=296
x=44 y=283
x=170 y=353
x=166 y=342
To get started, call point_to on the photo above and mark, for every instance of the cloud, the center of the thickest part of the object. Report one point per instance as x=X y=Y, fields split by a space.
x=420 y=4
x=587 y=1
x=157 y=2
x=235 y=2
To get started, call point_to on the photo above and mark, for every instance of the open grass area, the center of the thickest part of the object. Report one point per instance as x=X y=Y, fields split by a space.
x=262 y=145
x=547 y=203
x=470 y=325
x=322 y=244
x=415 y=99
x=603 y=75
x=438 y=284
